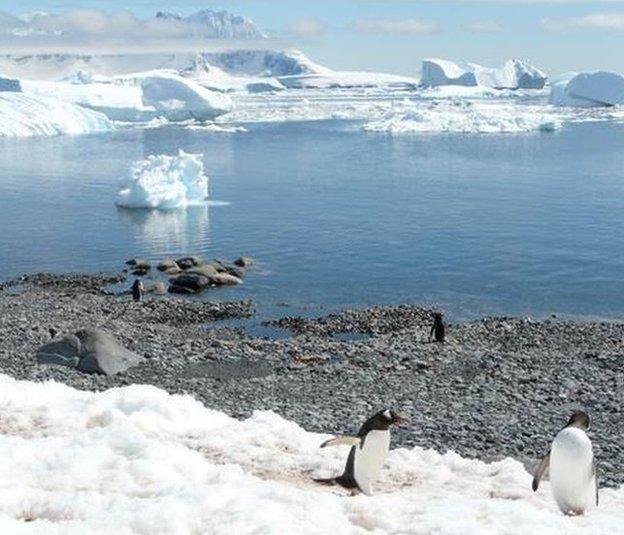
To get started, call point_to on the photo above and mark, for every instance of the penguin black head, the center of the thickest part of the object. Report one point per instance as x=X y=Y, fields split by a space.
x=579 y=419
x=386 y=418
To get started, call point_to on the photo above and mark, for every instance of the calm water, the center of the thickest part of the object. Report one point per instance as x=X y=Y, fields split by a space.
x=490 y=224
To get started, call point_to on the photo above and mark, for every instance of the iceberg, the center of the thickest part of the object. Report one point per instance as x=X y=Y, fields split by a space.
x=514 y=74
x=140 y=97
x=165 y=182
x=346 y=79
x=136 y=460
x=10 y=84
x=24 y=114
x=588 y=89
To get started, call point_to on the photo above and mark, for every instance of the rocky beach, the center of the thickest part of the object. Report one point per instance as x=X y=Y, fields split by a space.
x=497 y=387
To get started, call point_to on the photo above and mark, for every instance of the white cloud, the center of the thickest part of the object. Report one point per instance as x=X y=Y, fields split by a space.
x=483 y=26
x=599 y=21
x=307 y=28
x=95 y=31
x=406 y=26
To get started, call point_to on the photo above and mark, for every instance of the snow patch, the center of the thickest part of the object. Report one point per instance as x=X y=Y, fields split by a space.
x=137 y=460
x=24 y=114
x=165 y=182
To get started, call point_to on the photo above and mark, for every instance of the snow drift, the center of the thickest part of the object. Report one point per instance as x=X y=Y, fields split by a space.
x=514 y=74
x=588 y=89
x=137 y=460
x=165 y=182
x=24 y=114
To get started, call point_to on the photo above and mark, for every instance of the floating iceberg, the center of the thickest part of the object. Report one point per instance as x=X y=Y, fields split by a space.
x=514 y=74
x=137 y=460
x=346 y=79
x=24 y=114
x=588 y=89
x=165 y=182
x=466 y=118
x=140 y=97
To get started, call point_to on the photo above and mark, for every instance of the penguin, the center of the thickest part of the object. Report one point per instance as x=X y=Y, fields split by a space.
x=572 y=468
x=368 y=452
x=53 y=332
x=137 y=290
x=437 y=328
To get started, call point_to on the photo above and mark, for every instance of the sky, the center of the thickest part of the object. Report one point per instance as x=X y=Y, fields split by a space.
x=395 y=35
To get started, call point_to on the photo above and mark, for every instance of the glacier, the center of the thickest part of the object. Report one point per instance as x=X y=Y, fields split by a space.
x=165 y=182
x=24 y=114
x=136 y=460
x=514 y=74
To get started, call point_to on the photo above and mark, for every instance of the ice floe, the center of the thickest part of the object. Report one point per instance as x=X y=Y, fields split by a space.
x=165 y=182
x=347 y=79
x=24 y=114
x=514 y=74
x=136 y=460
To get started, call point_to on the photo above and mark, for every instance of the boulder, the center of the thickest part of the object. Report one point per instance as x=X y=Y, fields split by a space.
x=137 y=263
x=207 y=270
x=224 y=279
x=173 y=289
x=168 y=264
x=244 y=262
x=158 y=288
x=89 y=351
x=191 y=281
x=234 y=270
x=188 y=262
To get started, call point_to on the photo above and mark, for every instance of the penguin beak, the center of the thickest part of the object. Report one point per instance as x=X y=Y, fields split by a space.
x=401 y=420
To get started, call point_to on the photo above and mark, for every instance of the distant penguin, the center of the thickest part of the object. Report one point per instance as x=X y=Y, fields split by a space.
x=572 y=468
x=368 y=454
x=137 y=290
x=53 y=332
x=437 y=329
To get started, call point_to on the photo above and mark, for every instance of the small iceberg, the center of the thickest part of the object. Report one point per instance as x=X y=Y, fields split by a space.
x=165 y=182
x=588 y=89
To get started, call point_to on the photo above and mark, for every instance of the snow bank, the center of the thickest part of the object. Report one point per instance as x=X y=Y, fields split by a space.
x=466 y=118
x=136 y=460
x=347 y=79
x=514 y=74
x=588 y=89
x=165 y=182
x=24 y=114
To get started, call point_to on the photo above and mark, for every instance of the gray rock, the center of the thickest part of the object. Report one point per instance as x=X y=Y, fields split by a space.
x=237 y=271
x=137 y=263
x=158 y=288
x=224 y=279
x=188 y=262
x=168 y=264
x=244 y=261
x=207 y=270
x=89 y=351
x=192 y=281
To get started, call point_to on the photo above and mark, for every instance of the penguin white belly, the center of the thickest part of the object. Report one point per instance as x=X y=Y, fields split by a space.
x=572 y=477
x=370 y=458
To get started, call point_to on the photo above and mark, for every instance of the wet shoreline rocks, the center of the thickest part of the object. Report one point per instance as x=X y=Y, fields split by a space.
x=497 y=387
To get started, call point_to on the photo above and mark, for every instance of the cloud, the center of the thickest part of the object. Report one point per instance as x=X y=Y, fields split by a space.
x=307 y=28
x=95 y=31
x=483 y=26
x=597 y=21
x=405 y=26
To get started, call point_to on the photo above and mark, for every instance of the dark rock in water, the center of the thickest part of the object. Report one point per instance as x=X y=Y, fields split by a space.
x=188 y=262
x=140 y=272
x=207 y=270
x=192 y=281
x=137 y=263
x=224 y=279
x=158 y=288
x=173 y=289
x=90 y=351
x=244 y=261
x=237 y=271
x=168 y=264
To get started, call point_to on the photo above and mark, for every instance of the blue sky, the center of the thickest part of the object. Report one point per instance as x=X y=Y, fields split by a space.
x=394 y=35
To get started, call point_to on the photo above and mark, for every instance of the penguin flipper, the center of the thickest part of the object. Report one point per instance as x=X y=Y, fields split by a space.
x=339 y=441
x=539 y=472
x=595 y=478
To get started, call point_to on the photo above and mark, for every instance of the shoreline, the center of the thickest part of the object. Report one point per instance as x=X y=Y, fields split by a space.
x=499 y=387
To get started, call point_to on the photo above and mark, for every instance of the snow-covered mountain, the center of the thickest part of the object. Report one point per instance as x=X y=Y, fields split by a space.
x=217 y=24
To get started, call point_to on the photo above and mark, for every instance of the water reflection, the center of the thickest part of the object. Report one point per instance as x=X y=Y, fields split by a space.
x=159 y=231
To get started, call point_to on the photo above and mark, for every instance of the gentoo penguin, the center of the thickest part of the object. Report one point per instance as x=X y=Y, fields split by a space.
x=137 y=290
x=368 y=453
x=437 y=328
x=572 y=467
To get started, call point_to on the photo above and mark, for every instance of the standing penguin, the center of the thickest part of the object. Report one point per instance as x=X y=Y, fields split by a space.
x=437 y=328
x=572 y=467
x=369 y=451
x=137 y=290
